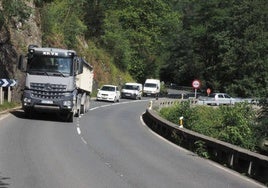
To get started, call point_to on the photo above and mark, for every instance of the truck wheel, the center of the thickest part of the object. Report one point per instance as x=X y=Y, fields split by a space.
x=88 y=104
x=70 y=117
x=78 y=112
x=83 y=109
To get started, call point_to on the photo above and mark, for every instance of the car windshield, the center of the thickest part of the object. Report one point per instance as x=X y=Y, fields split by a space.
x=131 y=87
x=227 y=96
x=149 y=85
x=108 y=88
x=47 y=64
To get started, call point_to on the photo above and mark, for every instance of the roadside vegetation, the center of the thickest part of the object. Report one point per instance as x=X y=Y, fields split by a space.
x=8 y=105
x=240 y=125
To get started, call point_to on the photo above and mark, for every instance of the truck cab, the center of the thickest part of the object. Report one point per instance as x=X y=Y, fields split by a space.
x=151 y=87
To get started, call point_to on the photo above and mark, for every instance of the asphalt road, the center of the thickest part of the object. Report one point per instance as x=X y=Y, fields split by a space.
x=109 y=147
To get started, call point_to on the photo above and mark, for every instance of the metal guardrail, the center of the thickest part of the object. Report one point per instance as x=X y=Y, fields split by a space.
x=251 y=164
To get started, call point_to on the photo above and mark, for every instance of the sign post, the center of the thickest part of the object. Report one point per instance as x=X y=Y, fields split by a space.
x=6 y=83
x=1 y=96
x=196 y=84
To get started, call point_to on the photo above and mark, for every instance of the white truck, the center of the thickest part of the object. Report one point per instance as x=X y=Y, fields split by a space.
x=57 y=80
x=151 y=87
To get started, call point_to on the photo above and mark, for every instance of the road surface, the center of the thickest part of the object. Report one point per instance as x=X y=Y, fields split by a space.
x=109 y=147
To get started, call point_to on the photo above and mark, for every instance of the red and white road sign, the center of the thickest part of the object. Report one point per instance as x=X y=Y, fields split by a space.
x=196 y=84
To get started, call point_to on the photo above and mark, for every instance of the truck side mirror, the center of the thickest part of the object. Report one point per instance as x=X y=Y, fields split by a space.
x=21 y=63
x=80 y=67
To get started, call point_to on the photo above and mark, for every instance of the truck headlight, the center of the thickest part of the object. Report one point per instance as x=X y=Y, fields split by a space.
x=27 y=100
x=67 y=104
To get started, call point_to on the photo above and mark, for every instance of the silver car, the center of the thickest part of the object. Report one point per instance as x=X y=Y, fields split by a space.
x=218 y=99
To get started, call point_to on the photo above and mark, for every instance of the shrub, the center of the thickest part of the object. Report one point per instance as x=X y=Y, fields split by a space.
x=233 y=124
x=238 y=125
x=174 y=113
x=206 y=120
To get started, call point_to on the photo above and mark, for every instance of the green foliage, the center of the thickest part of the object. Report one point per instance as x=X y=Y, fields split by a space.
x=163 y=89
x=2 y=19
x=263 y=119
x=16 y=9
x=206 y=120
x=233 y=124
x=137 y=32
x=116 y=41
x=62 y=22
x=222 y=43
x=8 y=105
x=174 y=113
x=238 y=126
x=200 y=149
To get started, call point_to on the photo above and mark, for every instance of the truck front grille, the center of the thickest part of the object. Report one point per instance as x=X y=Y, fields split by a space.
x=47 y=91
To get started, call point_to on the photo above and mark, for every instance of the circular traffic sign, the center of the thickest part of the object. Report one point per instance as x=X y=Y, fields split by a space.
x=196 y=84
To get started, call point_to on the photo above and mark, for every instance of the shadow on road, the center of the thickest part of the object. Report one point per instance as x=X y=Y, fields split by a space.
x=38 y=116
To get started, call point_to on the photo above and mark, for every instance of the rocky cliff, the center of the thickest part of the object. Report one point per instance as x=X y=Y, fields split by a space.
x=15 y=36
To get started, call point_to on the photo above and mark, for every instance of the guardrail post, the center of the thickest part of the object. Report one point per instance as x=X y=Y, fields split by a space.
x=150 y=105
x=250 y=168
x=181 y=122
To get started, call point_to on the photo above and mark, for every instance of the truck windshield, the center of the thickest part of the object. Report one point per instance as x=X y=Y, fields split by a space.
x=150 y=85
x=130 y=87
x=61 y=66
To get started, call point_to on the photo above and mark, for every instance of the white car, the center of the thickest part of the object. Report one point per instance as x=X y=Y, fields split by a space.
x=109 y=93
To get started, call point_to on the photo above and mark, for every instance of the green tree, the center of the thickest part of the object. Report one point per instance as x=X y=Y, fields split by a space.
x=116 y=41
x=238 y=124
x=94 y=15
x=224 y=44
x=62 y=22
x=16 y=10
x=144 y=27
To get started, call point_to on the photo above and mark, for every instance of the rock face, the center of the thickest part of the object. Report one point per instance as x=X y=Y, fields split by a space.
x=15 y=36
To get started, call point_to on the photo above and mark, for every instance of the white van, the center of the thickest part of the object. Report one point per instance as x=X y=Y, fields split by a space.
x=132 y=90
x=151 y=87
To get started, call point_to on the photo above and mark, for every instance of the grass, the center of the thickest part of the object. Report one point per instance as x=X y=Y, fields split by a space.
x=8 y=105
